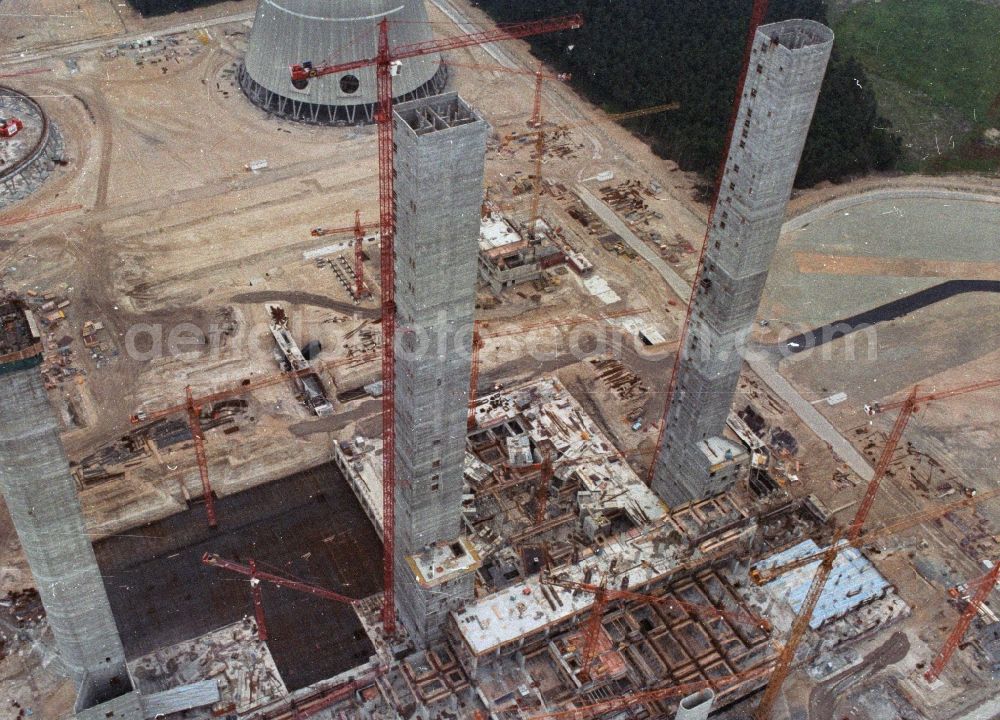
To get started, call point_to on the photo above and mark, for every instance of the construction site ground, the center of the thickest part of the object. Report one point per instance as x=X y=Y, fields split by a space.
x=155 y=224
x=176 y=237
x=308 y=527
x=841 y=260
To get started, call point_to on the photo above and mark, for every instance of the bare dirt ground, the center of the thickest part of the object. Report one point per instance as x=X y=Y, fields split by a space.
x=174 y=231
x=948 y=445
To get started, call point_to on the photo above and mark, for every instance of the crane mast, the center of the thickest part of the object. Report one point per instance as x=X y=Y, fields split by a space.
x=198 y=436
x=883 y=464
x=756 y=18
x=387 y=258
x=359 y=257
x=986 y=585
x=762 y=576
x=542 y=491
x=387 y=61
x=907 y=408
x=799 y=627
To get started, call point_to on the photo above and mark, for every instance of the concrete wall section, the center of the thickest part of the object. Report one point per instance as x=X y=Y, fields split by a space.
x=126 y=707
x=439 y=181
x=696 y=706
x=43 y=504
x=287 y=32
x=439 y=162
x=787 y=65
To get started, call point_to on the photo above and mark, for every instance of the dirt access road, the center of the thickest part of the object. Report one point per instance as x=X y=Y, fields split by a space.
x=824 y=697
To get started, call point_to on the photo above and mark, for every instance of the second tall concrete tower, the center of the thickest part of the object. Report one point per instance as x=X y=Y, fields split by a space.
x=786 y=68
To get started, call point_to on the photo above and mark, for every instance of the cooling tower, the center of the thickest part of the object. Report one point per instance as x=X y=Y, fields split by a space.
x=286 y=32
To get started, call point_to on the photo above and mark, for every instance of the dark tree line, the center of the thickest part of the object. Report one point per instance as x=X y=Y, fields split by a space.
x=635 y=53
x=150 y=8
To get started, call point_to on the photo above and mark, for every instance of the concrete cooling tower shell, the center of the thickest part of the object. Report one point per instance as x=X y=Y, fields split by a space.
x=286 y=32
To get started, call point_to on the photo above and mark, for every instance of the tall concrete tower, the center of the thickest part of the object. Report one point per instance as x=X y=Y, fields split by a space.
x=440 y=157
x=783 y=80
x=41 y=496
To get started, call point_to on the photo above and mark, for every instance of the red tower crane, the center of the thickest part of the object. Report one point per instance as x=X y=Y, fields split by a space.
x=386 y=61
x=986 y=585
x=542 y=492
x=853 y=532
x=603 y=596
x=536 y=123
x=762 y=576
x=324 y=231
x=192 y=407
x=256 y=576
x=539 y=75
x=359 y=256
x=876 y=408
x=539 y=133
x=358 y=229
x=756 y=18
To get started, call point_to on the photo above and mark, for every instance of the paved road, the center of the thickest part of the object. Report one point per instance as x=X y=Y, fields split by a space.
x=678 y=284
x=466 y=25
x=800 y=221
x=761 y=364
x=758 y=361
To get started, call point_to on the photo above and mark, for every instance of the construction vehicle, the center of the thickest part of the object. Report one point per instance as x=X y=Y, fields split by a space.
x=387 y=62
x=9 y=127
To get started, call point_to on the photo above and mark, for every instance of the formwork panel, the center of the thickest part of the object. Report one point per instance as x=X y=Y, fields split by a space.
x=671 y=651
x=694 y=639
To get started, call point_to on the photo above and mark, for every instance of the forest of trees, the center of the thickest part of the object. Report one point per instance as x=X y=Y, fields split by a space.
x=637 y=53
x=150 y=8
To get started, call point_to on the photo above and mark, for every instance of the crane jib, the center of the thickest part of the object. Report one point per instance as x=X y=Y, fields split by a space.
x=302 y=72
